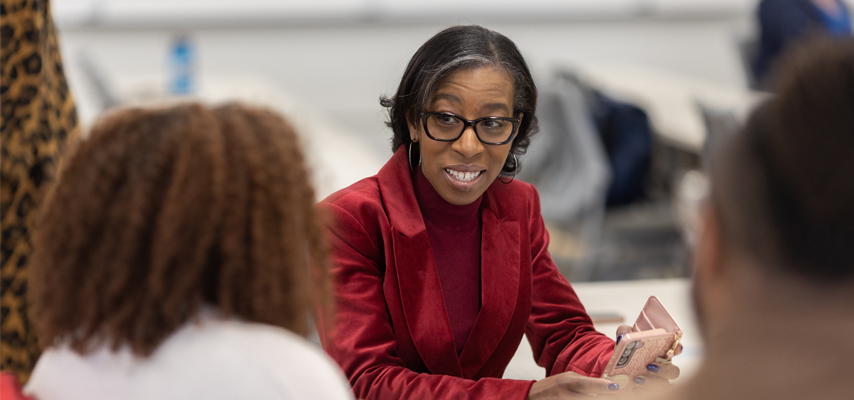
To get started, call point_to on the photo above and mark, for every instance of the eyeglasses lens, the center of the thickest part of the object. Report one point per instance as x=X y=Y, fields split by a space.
x=447 y=127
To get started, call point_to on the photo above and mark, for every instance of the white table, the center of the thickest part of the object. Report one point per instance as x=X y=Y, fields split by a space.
x=626 y=299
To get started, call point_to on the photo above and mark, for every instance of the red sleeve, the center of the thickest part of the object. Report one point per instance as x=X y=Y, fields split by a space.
x=559 y=330
x=363 y=342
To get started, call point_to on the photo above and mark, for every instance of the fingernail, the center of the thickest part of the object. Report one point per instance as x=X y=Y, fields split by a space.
x=618 y=339
x=613 y=387
x=681 y=348
x=640 y=381
x=653 y=368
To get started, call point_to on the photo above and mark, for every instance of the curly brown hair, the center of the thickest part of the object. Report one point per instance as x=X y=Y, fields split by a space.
x=161 y=211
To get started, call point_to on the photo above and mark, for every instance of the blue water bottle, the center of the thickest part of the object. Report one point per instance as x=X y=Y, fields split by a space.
x=182 y=66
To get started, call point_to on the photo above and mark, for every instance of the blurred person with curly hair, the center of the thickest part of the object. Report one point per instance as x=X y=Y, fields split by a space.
x=179 y=257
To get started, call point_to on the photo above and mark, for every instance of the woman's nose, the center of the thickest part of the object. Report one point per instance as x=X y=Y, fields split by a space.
x=468 y=145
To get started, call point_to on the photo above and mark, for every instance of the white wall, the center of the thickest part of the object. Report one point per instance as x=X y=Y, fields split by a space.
x=164 y=12
x=341 y=69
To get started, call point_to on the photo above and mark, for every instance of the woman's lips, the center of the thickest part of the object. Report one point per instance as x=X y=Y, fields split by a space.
x=463 y=180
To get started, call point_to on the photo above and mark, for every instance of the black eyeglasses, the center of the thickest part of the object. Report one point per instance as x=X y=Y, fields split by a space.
x=448 y=127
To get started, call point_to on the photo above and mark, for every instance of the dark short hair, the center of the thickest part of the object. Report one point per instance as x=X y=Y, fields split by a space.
x=785 y=187
x=451 y=50
x=161 y=211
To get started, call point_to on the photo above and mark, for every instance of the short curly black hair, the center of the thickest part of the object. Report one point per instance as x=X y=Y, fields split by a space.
x=451 y=50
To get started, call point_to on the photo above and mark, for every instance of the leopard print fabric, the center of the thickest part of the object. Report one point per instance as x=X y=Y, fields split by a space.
x=38 y=118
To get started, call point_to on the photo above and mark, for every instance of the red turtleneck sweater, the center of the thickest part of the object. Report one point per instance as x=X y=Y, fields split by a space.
x=454 y=233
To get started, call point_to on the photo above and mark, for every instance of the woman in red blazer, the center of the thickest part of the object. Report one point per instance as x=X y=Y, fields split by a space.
x=441 y=259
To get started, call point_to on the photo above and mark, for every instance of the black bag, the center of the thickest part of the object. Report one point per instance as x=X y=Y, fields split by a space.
x=627 y=138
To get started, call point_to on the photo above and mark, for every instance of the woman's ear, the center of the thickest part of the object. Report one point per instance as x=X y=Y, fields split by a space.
x=414 y=132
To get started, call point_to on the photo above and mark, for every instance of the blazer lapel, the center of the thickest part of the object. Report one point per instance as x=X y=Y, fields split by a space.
x=500 y=289
x=415 y=267
x=424 y=305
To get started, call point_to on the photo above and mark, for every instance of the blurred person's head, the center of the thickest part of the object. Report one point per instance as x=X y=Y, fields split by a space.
x=162 y=212
x=774 y=268
x=779 y=229
x=472 y=72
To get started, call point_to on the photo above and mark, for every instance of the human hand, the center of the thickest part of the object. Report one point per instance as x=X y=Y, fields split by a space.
x=570 y=385
x=659 y=373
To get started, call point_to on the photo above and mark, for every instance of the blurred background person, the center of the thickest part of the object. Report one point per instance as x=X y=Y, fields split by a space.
x=774 y=273
x=783 y=22
x=38 y=119
x=179 y=257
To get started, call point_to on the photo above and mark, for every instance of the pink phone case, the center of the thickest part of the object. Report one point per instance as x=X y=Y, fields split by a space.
x=654 y=335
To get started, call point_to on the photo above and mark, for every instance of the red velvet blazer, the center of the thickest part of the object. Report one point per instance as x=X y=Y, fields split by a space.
x=392 y=336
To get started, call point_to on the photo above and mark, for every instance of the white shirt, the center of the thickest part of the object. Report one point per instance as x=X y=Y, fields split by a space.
x=208 y=359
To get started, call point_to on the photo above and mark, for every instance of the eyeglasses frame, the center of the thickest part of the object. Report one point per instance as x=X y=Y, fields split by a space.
x=469 y=123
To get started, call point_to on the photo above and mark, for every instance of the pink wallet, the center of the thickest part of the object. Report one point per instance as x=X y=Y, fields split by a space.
x=654 y=338
x=655 y=316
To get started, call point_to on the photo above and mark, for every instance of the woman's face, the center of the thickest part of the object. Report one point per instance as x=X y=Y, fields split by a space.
x=463 y=169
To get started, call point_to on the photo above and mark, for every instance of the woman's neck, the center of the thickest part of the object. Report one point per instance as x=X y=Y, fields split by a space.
x=440 y=212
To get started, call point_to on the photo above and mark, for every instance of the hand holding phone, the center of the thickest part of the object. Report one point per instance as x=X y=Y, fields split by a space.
x=654 y=337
